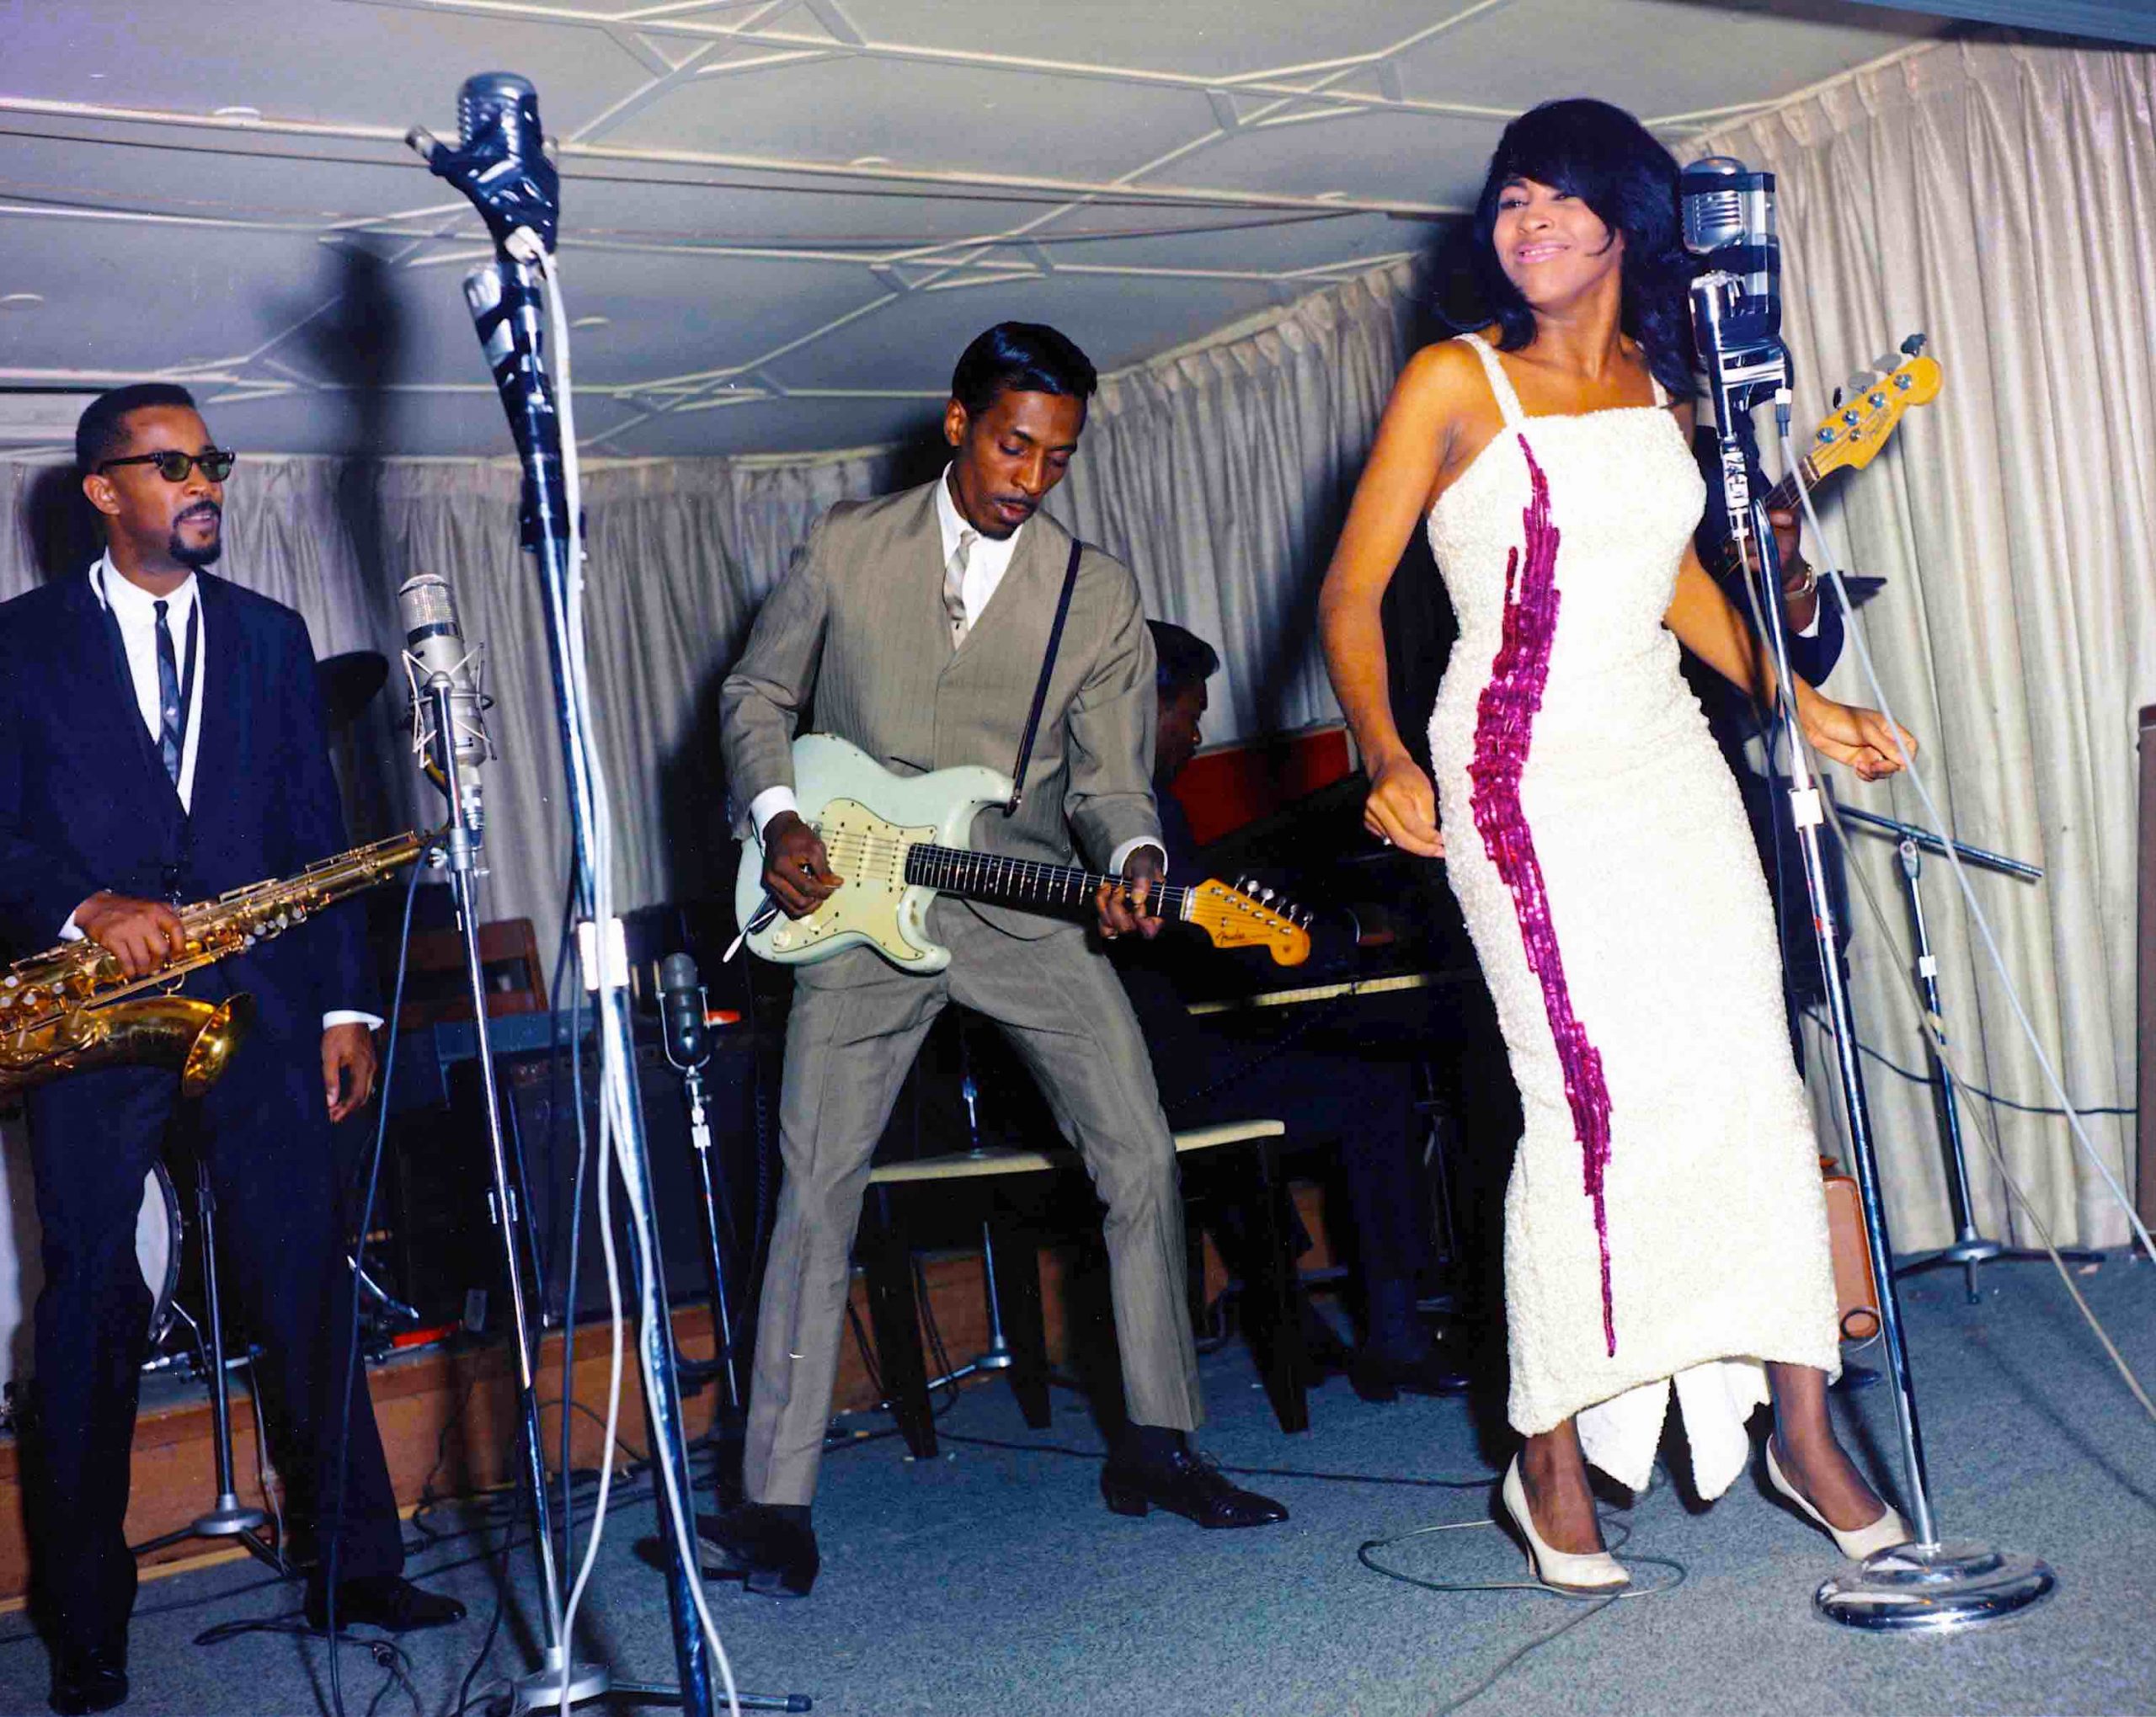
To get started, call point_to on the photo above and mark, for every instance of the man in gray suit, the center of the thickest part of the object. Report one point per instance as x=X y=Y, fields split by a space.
x=919 y=623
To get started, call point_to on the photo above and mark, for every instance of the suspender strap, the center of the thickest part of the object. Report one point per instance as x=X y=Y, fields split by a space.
x=1040 y=691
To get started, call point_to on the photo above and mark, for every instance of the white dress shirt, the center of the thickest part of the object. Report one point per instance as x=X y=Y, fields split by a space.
x=135 y=609
x=987 y=561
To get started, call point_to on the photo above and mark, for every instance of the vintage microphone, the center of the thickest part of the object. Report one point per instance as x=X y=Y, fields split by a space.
x=688 y=1052
x=1728 y=215
x=501 y=164
x=449 y=730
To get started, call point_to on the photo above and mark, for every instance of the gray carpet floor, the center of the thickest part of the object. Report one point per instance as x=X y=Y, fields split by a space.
x=992 y=1581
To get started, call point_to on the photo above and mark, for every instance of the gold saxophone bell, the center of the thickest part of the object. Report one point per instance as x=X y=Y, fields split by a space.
x=195 y=1038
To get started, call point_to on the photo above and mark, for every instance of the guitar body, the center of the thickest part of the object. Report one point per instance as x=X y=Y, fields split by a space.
x=869 y=819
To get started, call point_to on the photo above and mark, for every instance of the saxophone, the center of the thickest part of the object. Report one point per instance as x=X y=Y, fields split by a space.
x=73 y=1007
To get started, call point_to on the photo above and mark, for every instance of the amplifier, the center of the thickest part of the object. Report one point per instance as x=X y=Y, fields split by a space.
x=442 y=1244
x=539 y=1123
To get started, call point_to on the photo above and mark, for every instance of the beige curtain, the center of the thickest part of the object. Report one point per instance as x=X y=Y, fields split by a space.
x=1994 y=196
x=680 y=552
x=1222 y=475
x=1219 y=473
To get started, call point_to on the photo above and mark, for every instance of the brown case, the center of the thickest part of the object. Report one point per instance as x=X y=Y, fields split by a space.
x=1856 y=1290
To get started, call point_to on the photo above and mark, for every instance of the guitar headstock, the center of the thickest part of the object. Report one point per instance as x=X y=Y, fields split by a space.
x=1247 y=916
x=1851 y=434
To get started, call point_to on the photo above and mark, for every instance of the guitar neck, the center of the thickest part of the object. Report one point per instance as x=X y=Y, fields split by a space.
x=952 y=870
x=1787 y=495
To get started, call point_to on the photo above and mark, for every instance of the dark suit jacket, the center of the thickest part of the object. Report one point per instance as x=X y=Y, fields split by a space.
x=85 y=804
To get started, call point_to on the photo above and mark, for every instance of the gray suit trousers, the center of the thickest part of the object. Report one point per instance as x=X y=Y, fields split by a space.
x=857 y=1025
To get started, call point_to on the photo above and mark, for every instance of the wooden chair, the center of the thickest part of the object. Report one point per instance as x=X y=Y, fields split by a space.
x=894 y=1310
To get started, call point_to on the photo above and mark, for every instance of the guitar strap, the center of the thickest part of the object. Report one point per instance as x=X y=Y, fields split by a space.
x=1040 y=690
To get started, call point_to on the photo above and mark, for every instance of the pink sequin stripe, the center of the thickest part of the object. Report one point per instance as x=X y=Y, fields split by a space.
x=1504 y=723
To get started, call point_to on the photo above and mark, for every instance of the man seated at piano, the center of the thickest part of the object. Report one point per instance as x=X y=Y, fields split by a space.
x=1209 y=1072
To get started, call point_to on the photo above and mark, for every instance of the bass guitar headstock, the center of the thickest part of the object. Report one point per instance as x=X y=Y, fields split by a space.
x=1849 y=437
x=1247 y=916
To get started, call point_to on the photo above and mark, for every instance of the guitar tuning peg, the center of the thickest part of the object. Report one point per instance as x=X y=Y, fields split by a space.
x=1266 y=895
x=1837 y=401
x=1914 y=346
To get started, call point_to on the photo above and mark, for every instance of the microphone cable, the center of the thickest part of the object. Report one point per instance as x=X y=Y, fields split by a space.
x=1948 y=1061
x=332 y=1555
x=617 y=1118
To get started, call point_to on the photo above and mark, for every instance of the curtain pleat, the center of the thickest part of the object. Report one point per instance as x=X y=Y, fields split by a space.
x=1994 y=195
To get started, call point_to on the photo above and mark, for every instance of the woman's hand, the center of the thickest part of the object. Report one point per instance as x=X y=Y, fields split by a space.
x=1402 y=808
x=1863 y=738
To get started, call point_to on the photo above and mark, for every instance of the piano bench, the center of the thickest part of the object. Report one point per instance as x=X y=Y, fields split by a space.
x=1012 y=1259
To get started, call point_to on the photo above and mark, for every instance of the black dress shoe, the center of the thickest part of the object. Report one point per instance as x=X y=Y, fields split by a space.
x=92 y=1680
x=768 y=1552
x=384 y=1601
x=1377 y=1376
x=1185 y=1483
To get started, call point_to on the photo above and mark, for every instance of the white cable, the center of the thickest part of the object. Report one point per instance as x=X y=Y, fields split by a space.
x=1855 y=631
x=617 y=1099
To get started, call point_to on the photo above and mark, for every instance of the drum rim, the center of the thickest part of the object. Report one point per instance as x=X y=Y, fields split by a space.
x=163 y=1309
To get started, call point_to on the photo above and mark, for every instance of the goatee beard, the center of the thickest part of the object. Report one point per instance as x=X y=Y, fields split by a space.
x=195 y=558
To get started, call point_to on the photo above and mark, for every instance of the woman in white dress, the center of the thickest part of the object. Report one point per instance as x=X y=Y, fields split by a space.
x=1665 y=1227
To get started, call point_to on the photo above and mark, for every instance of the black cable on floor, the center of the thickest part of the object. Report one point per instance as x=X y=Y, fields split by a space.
x=1480 y=1482
x=1588 y=1606
x=387 y=1658
x=337 y=1495
x=501 y=1595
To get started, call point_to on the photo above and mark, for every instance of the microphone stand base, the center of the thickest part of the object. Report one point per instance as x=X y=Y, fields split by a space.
x=229 y=1519
x=1934 y=1589
x=1971 y=1250
x=543 y=1690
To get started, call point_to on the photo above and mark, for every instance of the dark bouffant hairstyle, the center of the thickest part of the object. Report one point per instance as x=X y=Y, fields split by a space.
x=1029 y=356
x=1606 y=158
x=101 y=431
x=1180 y=659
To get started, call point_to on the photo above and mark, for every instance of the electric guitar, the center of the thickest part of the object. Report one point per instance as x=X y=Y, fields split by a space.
x=1848 y=438
x=899 y=841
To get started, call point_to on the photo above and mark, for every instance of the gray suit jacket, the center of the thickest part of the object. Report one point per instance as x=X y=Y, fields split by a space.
x=858 y=623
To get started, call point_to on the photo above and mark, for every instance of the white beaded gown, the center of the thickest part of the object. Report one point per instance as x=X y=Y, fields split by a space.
x=1665 y=1221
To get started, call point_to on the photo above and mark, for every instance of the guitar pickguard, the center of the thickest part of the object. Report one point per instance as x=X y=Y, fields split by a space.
x=869 y=819
x=874 y=904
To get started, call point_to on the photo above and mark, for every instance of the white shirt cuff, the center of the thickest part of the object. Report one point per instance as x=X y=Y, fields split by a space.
x=1121 y=855
x=768 y=803
x=350 y=1016
x=71 y=931
x=1812 y=630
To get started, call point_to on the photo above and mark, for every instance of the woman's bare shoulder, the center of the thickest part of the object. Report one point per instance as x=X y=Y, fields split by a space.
x=1442 y=378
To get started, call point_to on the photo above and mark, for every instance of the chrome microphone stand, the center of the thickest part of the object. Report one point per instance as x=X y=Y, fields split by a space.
x=1926 y=1586
x=558 y=1679
x=998 y=1355
x=687 y=1040
x=1971 y=1247
x=501 y=164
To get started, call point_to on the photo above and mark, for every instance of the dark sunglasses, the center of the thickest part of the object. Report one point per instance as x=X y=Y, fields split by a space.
x=173 y=466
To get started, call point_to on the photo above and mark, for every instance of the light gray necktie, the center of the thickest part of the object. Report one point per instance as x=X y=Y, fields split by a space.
x=955 y=586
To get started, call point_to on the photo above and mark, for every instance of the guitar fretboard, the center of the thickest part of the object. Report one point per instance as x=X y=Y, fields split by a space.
x=957 y=871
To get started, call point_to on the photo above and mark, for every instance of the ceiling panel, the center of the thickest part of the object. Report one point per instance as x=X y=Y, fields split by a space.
x=743 y=185
x=968 y=117
x=1653 y=57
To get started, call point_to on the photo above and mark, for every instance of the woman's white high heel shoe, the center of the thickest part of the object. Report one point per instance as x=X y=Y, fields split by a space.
x=1596 y=1571
x=1883 y=1533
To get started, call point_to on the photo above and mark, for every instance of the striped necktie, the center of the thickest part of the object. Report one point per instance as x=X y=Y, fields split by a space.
x=955 y=586
x=169 y=737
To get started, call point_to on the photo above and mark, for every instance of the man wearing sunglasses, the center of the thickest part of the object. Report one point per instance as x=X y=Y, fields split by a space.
x=161 y=742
